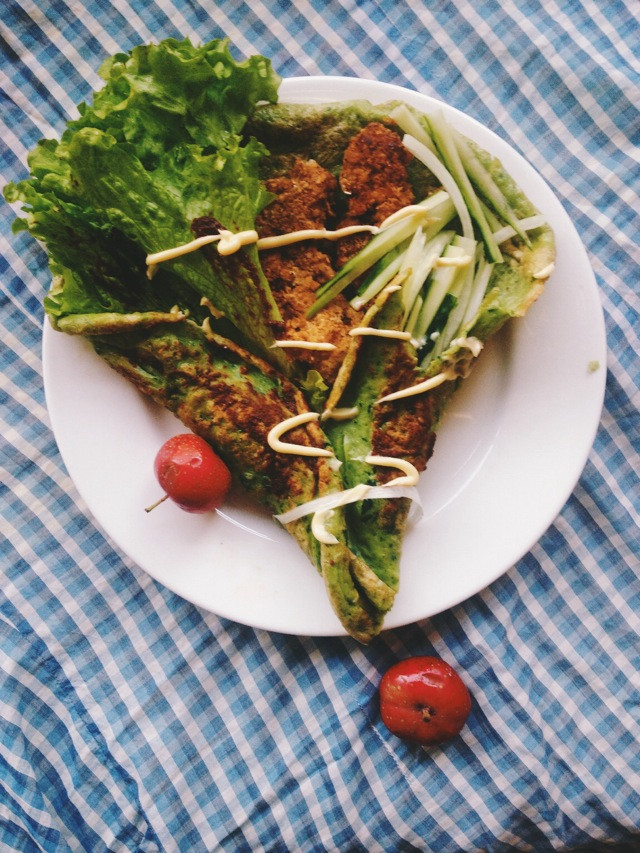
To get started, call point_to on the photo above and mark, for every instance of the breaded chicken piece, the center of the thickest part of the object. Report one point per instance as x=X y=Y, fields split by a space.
x=374 y=177
x=304 y=200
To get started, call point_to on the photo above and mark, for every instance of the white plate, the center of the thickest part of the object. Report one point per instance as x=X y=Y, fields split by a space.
x=509 y=453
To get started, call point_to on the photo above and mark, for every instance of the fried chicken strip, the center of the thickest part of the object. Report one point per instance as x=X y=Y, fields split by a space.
x=304 y=199
x=374 y=177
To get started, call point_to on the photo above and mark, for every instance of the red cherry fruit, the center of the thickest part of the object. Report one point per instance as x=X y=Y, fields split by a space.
x=191 y=473
x=423 y=700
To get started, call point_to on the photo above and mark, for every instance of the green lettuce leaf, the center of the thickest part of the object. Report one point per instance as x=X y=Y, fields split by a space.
x=172 y=93
x=156 y=160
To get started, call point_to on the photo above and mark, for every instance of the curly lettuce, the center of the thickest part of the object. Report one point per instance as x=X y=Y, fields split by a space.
x=156 y=158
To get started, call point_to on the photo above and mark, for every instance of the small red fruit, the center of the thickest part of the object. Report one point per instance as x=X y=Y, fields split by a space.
x=191 y=474
x=424 y=700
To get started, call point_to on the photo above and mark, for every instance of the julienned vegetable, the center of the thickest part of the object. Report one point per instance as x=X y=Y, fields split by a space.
x=185 y=142
x=438 y=210
x=437 y=268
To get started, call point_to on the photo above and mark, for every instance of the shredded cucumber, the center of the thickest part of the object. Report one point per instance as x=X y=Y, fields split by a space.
x=528 y=224
x=411 y=125
x=412 y=319
x=494 y=223
x=430 y=254
x=443 y=137
x=442 y=280
x=440 y=211
x=410 y=267
x=439 y=170
x=480 y=282
x=461 y=289
x=442 y=297
x=381 y=274
x=483 y=182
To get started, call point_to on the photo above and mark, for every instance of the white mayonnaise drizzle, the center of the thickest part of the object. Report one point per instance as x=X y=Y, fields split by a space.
x=318 y=528
x=273 y=438
x=461 y=261
x=230 y=242
x=339 y=414
x=420 y=388
x=471 y=343
x=184 y=249
x=403 y=213
x=410 y=471
x=313 y=345
x=279 y=240
x=545 y=272
x=379 y=333
x=207 y=303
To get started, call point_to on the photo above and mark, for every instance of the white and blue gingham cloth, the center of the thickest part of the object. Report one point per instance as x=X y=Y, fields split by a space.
x=131 y=720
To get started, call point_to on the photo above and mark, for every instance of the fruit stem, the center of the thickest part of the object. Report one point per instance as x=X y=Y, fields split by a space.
x=157 y=503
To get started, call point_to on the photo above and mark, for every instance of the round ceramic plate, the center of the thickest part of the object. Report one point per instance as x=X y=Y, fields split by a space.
x=509 y=452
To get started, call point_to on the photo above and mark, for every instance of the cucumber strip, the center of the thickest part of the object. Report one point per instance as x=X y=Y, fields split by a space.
x=462 y=290
x=382 y=243
x=528 y=224
x=440 y=171
x=410 y=124
x=382 y=275
x=414 y=251
x=494 y=223
x=412 y=319
x=470 y=246
x=443 y=137
x=483 y=182
x=440 y=209
x=411 y=268
x=478 y=290
x=441 y=282
x=430 y=254
x=473 y=280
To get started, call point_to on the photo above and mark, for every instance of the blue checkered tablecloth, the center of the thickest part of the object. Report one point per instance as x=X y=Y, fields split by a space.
x=132 y=720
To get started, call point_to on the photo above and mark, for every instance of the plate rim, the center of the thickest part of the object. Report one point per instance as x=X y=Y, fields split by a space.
x=300 y=85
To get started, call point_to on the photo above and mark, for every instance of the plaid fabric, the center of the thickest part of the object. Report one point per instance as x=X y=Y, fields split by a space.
x=131 y=719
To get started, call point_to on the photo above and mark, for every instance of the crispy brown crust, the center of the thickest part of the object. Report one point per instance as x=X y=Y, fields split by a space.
x=232 y=408
x=403 y=428
x=304 y=199
x=374 y=173
x=374 y=177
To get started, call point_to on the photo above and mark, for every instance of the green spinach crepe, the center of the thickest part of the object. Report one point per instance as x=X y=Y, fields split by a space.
x=349 y=341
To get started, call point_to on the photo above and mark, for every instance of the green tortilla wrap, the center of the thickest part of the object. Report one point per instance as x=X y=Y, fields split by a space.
x=167 y=153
